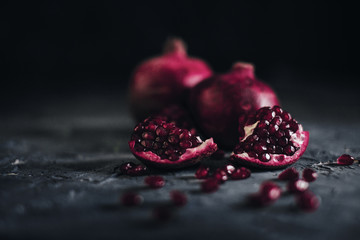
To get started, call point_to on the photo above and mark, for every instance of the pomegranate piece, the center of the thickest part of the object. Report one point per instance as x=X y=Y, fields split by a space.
x=309 y=175
x=345 y=159
x=219 y=101
x=289 y=174
x=307 y=201
x=269 y=192
x=240 y=173
x=297 y=186
x=162 y=144
x=162 y=213
x=165 y=80
x=131 y=199
x=220 y=175
x=263 y=145
x=178 y=198
x=202 y=172
x=210 y=185
x=155 y=181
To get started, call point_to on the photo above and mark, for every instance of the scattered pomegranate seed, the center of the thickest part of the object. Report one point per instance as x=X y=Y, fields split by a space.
x=345 y=159
x=210 y=185
x=229 y=169
x=220 y=175
x=162 y=213
x=309 y=175
x=126 y=166
x=270 y=191
x=178 y=198
x=289 y=174
x=202 y=172
x=307 y=201
x=155 y=181
x=297 y=186
x=240 y=173
x=131 y=199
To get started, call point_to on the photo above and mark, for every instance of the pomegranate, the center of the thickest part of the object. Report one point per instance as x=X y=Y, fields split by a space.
x=289 y=174
x=218 y=102
x=345 y=159
x=307 y=201
x=178 y=198
x=162 y=144
x=165 y=80
x=270 y=138
x=309 y=175
x=155 y=181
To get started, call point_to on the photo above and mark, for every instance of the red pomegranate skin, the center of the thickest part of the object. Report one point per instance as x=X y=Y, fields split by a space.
x=164 y=80
x=219 y=101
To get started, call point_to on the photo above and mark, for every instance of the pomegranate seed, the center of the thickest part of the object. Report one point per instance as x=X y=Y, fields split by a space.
x=265 y=157
x=309 y=175
x=220 y=175
x=229 y=169
x=178 y=198
x=289 y=150
x=137 y=170
x=126 y=166
x=270 y=191
x=240 y=173
x=307 y=201
x=345 y=159
x=210 y=185
x=297 y=186
x=162 y=213
x=131 y=199
x=155 y=181
x=202 y=172
x=289 y=174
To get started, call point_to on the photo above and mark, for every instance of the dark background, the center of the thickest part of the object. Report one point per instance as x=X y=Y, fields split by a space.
x=71 y=47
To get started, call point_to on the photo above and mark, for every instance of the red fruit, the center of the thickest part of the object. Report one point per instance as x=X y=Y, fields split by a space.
x=202 y=172
x=269 y=192
x=297 y=186
x=289 y=174
x=345 y=159
x=260 y=147
x=162 y=144
x=309 y=175
x=137 y=170
x=131 y=199
x=229 y=169
x=125 y=167
x=164 y=80
x=220 y=175
x=307 y=201
x=210 y=185
x=178 y=198
x=240 y=173
x=155 y=181
x=218 y=102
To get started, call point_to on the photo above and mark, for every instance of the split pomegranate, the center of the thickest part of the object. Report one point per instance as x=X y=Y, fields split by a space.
x=164 y=80
x=270 y=138
x=309 y=175
x=289 y=174
x=345 y=159
x=155 y=181
x=307 y=201
x=218 y=102
x=162 y=144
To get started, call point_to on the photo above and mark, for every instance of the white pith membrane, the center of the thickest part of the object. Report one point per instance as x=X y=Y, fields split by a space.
x=298 y=139
x=190 y=157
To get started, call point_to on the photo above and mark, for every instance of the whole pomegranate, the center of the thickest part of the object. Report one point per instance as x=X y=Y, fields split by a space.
x=164 y=80
x=219 y=101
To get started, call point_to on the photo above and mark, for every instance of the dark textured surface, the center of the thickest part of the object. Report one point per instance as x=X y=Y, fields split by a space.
x=56 y=176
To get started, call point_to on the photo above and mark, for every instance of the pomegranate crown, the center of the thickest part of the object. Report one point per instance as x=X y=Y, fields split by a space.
x=175 y=45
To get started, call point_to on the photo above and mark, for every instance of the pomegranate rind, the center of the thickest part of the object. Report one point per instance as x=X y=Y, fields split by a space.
x=277 y=160
x=191 y=157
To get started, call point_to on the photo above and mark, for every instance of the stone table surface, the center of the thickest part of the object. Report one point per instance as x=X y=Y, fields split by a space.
x=57 y=181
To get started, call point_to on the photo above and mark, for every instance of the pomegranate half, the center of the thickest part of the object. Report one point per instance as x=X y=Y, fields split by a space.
x=270 y=138
x=157 y=142
x=164 y=80
x=218 y=102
